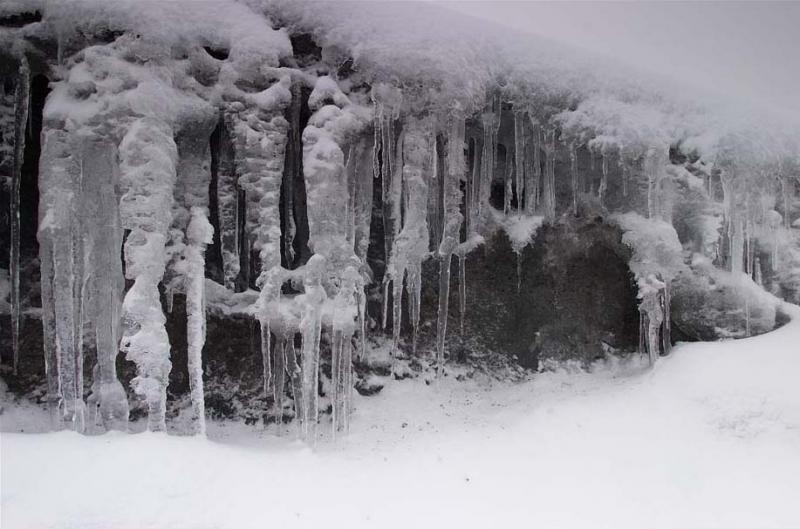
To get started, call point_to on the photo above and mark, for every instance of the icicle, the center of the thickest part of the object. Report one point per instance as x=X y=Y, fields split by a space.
x=311 y=328
x=435 y=223
x=573 y=169
x=757 y=273
x=148 y=156
x=414 y=290
x=519 y=270
x=452 y=227
x=296 y=379
x=667 y=324
x=279 y=386
x=336 y=382
x=199 y=233
x=266 y=357
x=411 y=244
x=269 y=283
x=397 y=308
x=519 y=157
x=654 y=167
x=462 y=292
x=341 y=380
x=441 y=323
x=491 y=123
x=62 y=278
x=652 y=309
x=347 y=368
x=473 y=190
x=737 y=245
x=363 y=200
x=99 y=217
x=626 y=171
x=509 y=185
x=531 y=178
x=549 y=194
x=601 y=191
x=334 y=265
x=21 y=114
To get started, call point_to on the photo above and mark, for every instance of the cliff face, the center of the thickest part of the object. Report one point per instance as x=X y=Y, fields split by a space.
x=249 y=201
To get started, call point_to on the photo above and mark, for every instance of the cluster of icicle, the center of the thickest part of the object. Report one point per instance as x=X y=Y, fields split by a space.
x=147 y=174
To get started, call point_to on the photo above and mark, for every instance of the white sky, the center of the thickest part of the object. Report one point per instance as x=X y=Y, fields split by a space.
x=743 y=49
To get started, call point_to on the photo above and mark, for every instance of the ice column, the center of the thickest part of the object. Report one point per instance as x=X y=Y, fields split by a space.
x=100 y=225
x=62 y=257
x=148 y=158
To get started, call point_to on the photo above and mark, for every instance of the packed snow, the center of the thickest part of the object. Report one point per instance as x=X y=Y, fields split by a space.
x=709 y=438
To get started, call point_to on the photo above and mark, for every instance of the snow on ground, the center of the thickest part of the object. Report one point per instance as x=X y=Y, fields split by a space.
x=710 y=438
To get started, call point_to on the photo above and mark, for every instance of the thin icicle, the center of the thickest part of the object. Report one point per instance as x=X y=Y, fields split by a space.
x=296 y=380
x=279 y=385
x=462 y=292
x=626 y=172
x=199 y=234
x=573 y=169
x=509 y=185
x=452 y=227
x=519 y=157
x=601 y=191
x=548 y=191
x=21 y=114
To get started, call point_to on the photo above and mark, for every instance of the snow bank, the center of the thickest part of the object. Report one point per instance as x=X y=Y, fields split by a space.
x=708 y=439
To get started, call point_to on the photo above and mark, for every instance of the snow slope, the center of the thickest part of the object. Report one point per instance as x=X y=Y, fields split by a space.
x=710 y=438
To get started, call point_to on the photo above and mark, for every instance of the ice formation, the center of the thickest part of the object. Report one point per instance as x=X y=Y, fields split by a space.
x=166 y=126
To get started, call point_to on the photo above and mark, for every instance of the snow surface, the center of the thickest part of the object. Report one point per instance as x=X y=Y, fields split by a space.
x=710 y=438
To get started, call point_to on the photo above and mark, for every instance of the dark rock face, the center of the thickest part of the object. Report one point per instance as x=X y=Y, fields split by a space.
x=571 y=294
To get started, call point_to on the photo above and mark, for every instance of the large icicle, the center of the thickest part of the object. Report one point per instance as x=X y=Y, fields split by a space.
x=332 y=274
x=62 y=258
x=387 y=102
x=99 y=214
x=411 y=245
x=148 y=157
x=21 y=111
x=259 y=133
x=452 y=227
x=189 y=234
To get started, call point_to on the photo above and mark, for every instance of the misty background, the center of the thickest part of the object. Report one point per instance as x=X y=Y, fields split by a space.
x=747 y=50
